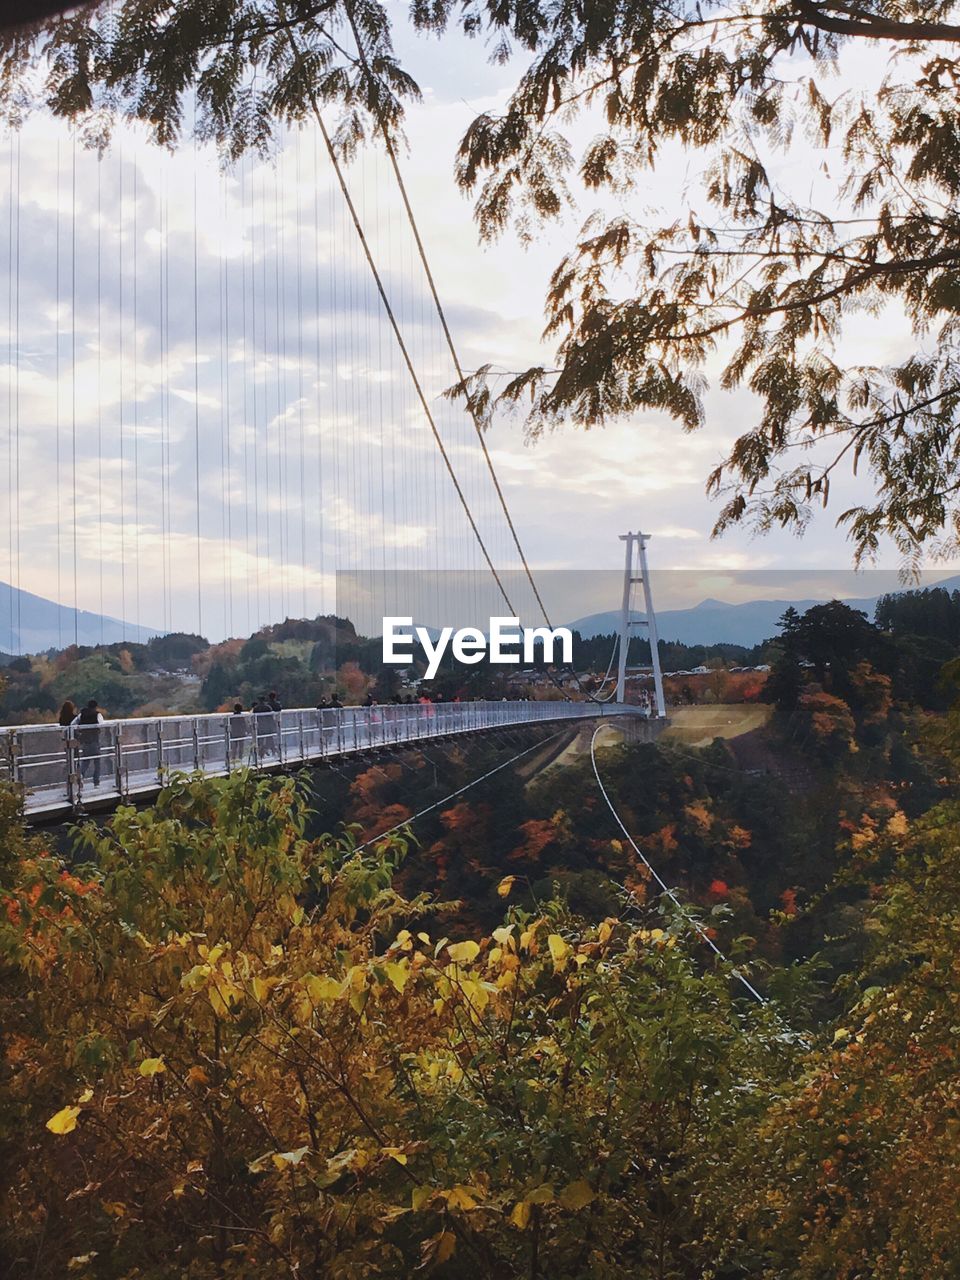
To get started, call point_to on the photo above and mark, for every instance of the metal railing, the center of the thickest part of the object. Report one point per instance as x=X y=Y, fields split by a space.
x=67 y=769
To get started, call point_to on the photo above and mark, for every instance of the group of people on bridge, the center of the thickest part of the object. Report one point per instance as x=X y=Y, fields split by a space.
x=255 y=732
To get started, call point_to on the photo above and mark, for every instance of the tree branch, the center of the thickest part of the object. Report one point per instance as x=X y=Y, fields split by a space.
x=872 y=26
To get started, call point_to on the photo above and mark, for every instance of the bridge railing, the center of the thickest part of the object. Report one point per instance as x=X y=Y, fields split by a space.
x=57 y=767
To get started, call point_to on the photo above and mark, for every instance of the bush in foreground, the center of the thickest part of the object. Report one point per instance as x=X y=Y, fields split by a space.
x=232 y=1051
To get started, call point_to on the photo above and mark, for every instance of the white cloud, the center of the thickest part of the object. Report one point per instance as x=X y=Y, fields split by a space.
x=375 y=488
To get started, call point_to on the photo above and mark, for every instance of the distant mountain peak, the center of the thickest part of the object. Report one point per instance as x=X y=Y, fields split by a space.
x=33 y=624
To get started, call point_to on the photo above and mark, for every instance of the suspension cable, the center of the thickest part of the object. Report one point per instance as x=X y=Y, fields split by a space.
x=670 y=893
x=471 y=407
x=384 y=298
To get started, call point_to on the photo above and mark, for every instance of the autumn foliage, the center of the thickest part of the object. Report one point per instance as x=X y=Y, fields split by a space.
x=233 y=1051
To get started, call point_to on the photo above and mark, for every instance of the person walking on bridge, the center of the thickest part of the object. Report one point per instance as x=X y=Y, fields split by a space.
x=265 y=722
x=88 y=724
x=238 y=733
x=276 y=707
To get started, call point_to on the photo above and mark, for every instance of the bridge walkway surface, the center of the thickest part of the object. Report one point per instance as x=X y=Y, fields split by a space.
x=67 y=772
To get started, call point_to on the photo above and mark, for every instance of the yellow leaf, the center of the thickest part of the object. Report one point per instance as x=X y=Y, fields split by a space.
x=477 y=994
x=323 y=988
x=542 y=1194
x=195 y=977
x=841 y=1034
x=520 y=1216
x=559 y=950
x=262 y=988
x=505 y=885
x=459 y=1198
x=419 y=1197
x=152 y=1066
x=605 y=930
x=283 y=1158
x=576 y=1195
x=64 y=1121
x=504 y=935
x=395 y=1153
x=446 y=1246
x=398 y=972
x=113 y=1207
x=81 y=1260
x=223 y=996
x=463 y=952
x=86 y=1096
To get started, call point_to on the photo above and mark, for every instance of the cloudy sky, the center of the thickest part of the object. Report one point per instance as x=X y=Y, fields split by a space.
x=204 y=413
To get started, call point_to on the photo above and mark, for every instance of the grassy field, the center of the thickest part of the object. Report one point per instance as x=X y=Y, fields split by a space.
x=698 y=726
x=692 y=726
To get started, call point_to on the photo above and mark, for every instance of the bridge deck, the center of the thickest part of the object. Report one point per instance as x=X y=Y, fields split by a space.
x=67 y=772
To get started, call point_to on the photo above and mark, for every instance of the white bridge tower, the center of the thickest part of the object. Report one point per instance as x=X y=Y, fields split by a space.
x=635 y=571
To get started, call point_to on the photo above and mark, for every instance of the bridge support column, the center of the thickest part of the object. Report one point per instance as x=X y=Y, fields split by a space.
x=638 y=728
x=638 y=542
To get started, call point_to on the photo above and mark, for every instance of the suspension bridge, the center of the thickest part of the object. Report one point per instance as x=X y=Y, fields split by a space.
x=222 y=388
x=62 y=773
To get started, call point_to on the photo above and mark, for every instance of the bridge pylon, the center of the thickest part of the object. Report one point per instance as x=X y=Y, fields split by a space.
x=636 y=572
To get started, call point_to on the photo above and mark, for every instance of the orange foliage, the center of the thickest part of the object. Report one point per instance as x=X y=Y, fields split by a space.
x=662 y=841
x=874 y=693
x=537 y=834
x=830 y=718
x=459 y=816
x=700 y=816
x=388 y=818
x=352 y=680
x=226 y=654
x=368 y=808
x=739 y=837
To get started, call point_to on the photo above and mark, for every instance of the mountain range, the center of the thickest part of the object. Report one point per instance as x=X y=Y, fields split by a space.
x=716 y=622
x=32 y=624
